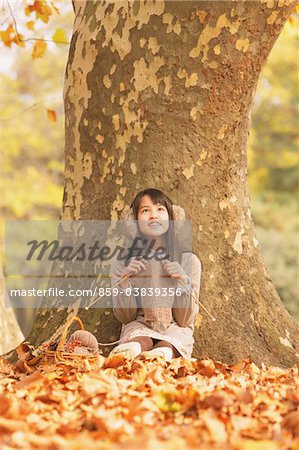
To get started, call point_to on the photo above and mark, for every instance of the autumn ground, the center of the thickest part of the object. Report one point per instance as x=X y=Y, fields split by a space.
x=149 y=404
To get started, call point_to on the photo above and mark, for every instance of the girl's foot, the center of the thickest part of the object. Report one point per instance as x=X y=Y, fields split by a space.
x=122 y=353
x=165 y=352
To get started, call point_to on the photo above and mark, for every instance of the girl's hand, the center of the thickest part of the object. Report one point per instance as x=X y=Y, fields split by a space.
x=135 y=266
x=174 y=269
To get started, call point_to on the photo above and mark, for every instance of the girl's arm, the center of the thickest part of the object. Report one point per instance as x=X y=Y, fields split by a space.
x=124 y=306
x=185 y=307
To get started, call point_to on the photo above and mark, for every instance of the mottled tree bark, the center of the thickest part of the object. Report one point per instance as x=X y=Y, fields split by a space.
x=158 y=94
x=11 y=335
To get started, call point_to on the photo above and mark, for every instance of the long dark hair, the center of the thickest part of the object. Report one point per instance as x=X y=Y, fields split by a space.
x=158 y=197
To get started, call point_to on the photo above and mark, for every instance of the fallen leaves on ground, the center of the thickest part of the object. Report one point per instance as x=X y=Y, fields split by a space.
x=149 y=404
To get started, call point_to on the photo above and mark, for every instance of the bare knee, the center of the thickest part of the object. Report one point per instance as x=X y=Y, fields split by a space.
x=145 y=342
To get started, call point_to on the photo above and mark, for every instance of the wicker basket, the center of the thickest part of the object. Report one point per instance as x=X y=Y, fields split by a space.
x=73 y=359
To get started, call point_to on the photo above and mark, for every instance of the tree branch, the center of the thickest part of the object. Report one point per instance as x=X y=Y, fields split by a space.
x=29 y=39
x=20 y=113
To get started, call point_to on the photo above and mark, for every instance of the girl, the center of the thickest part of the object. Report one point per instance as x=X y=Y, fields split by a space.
x=147 y=327
x=162 y=265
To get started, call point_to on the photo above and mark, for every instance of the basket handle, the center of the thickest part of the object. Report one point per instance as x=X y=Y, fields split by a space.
x=66 y=329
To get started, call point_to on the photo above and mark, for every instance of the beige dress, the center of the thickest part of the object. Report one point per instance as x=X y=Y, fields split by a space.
x=128 y=309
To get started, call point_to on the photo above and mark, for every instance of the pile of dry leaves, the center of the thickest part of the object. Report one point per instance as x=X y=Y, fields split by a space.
x=149 y=404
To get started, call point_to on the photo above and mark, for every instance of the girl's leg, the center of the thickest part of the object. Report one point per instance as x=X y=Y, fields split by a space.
x=145 y=342
x=130 y=349
x=162 y=348
x=176 y=354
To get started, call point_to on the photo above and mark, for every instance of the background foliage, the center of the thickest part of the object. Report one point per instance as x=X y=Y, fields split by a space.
x=32 y=140
x=273 y=166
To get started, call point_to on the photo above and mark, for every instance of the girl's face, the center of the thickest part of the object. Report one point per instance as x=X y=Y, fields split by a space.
x=153 y=220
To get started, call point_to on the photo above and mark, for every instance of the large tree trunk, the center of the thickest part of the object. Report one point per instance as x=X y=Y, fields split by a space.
x=158 y=94
x=11 y=335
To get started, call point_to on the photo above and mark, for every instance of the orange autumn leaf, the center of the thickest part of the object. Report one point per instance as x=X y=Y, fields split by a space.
x=291 y=422
x=139 y=376
x=52 y=117
x=41 y=9
x=23 y=350
x=9 y=425
x=31 y=381
x=294 y=18
x=6 y=36
x=18 y=40
x=39 y=49
x=206 y=367
x=202 y=404
x=215 y=426
x=9 y=36
x=241 y=365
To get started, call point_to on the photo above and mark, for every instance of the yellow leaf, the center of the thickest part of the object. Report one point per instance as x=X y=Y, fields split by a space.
x=27 y=10
x=189 y=172
x=30 y=25
x=39 y=49
x=52 y=117
x=166 y=402
x=60 y=36
x=259 y=445
x=198 y=321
